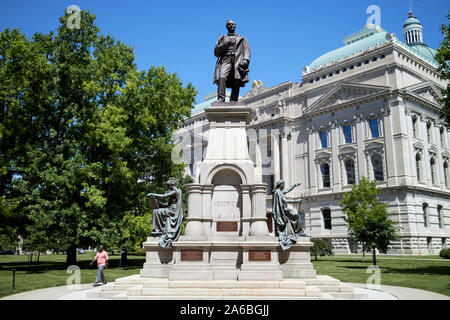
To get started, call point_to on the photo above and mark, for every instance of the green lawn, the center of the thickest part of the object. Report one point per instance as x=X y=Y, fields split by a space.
x=51 y=271
x=413 y=272
x=432 y=274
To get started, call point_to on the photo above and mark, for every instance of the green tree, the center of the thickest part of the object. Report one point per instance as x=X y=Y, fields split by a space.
x=84 y=135
x=443 y=58
x=367 y=218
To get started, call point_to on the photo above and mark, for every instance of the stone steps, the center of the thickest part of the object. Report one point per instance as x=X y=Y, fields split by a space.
x=135 y=287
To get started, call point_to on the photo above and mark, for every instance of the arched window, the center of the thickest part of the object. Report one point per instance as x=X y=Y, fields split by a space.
x=433 y=170
x=325 y=169
x=377 y=164
x=446 y=174
x=419 y=167
x=350 y=170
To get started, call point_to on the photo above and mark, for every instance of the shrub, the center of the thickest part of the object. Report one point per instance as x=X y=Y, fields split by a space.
x=445 y=253
x=321 y=248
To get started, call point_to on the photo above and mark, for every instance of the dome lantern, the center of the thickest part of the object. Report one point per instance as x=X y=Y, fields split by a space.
x=412 y=30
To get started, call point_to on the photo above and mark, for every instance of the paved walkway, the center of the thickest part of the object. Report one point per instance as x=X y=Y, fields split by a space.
x=79 y=293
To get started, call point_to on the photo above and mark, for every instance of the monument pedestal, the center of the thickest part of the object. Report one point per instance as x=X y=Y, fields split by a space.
x=226 y=236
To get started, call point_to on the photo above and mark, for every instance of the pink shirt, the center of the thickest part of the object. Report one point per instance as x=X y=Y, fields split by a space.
x=101 y=258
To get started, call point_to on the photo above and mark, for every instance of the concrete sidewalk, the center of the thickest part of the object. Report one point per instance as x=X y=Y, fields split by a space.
x=80 y=293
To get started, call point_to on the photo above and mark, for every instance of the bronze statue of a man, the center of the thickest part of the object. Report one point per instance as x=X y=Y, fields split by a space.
x=233 y=60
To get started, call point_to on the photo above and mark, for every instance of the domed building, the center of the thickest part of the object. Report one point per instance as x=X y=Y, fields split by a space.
x=369 y=108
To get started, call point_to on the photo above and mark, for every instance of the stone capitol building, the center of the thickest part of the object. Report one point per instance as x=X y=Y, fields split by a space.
x=369 y=108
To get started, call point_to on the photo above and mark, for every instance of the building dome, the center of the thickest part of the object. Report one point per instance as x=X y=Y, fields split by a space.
x=411 y=20
x=370 y=37
x=424 y=51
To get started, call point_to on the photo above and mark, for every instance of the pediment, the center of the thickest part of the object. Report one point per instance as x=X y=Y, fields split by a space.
x=347 y=150
x=418 y=145
x=427 y=91
x=323 y=155
x=374 y=145
x=344 y=93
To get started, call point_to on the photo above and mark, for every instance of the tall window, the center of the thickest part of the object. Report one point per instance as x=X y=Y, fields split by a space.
x=414 y=126
x=429 y=132
x=323 y=138
x=350 y=170
x=377 y=164
x=446 y=174
x=326 y=213
x=433 y=170
x=425 y=215
x=418 y=166
x=374 y=128
x=441 y=134
x=440 y=216
x=325 y=169
x=348 y=133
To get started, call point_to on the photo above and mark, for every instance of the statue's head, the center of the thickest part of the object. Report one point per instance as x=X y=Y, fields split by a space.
x=171 y=183
x=231 y=26
x=280 y=184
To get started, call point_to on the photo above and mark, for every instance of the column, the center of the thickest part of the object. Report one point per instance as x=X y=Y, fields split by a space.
x=360 y=147
x=206 y=207
x=194 y=219
x=276 y=155
x=335 y=182
x=311 y=176
x=247 y=209
x=285 y=158
x=258 y=163
x=258 y=226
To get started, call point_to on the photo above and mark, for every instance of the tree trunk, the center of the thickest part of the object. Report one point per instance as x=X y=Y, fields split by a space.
x=71 y=256
x=374 y=259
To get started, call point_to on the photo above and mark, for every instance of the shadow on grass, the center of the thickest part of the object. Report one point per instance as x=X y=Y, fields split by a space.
x=43 y=266
x=429 y=270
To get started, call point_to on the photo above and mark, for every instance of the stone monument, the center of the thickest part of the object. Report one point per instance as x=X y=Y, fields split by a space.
x=226 y=235
x=227 y=251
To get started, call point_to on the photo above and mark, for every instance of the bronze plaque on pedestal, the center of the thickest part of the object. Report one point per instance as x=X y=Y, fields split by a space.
x=191 y=255
x=259 y=255
x=227 y=226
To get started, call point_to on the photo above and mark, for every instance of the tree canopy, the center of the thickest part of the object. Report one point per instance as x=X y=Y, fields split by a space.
x=84 y=136
x=367 y=218
x=443 y=58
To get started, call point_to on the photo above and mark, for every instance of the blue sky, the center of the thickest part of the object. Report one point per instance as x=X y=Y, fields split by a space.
x=284 y=35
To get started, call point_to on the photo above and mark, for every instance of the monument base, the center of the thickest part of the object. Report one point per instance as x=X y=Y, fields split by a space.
x=237 y=258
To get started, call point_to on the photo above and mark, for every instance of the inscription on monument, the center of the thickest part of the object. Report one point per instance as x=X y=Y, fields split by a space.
x=259 y=255
x=191 y=255
x=227 y=226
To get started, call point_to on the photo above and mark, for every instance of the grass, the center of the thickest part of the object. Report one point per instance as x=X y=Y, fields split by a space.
x=51 y=271
x=405 y=271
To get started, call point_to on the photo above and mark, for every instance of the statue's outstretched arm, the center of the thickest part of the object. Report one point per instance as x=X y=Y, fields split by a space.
x=168 y=194
x=291 y=188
